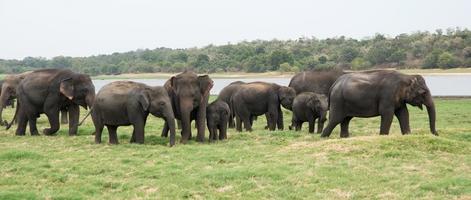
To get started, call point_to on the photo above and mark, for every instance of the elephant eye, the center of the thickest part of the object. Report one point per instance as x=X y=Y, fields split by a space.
x=161 y=103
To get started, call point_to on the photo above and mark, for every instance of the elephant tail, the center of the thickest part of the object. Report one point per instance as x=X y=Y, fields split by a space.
x=86 y=116
x=14 y=116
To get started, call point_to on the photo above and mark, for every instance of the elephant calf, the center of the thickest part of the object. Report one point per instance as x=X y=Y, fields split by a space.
x=307 y=107
x=124 y=103
x=217 y=117
x=258 y=98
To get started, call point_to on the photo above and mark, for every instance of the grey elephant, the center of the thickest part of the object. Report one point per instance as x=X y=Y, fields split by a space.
x=217 y=116
x=123 y=103
x=317 y=81
x=382 y=93
x=48 y=91
x=225 y=95
x=258 y=98
x=8 y=94
x=309 y=107
x=189 y=94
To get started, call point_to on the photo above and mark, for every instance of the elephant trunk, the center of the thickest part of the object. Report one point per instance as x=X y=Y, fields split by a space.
x=170 y=119
x=90 y=99
x=431 y=113
x=3 y=102
x=186 y=106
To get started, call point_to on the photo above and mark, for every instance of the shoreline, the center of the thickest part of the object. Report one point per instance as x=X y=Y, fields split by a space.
x=244 y=75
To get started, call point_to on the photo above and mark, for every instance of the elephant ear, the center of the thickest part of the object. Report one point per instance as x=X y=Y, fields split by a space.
x=143 y=99
x=67 y=88
x=169 y=85
x=205 y=84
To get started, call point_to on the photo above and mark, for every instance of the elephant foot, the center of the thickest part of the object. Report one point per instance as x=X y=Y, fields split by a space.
x=19 y=134
x=35 y=133
x=48 y=132
x=4 y=123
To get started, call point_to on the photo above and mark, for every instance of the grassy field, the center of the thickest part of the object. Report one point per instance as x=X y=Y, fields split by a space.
x=256 y=165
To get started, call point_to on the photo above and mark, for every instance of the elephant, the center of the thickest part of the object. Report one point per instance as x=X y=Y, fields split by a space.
x=258 y=98
x=189 y=94
x=124 y=103
x=317 y=81
x=217 y=115
x=9 y=102
x=225 y=95
x=9 y=94
x=307 y=107
x=48 y=91
x=382 y=93
x=8 y=91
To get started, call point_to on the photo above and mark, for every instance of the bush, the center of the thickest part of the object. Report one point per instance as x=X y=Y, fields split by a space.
x=360 y=63
x=447 y=60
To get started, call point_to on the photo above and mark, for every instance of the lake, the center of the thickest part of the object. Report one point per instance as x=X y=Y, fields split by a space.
x=440 y=85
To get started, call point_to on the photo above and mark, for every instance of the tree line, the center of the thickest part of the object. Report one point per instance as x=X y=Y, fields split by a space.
x=440 y=49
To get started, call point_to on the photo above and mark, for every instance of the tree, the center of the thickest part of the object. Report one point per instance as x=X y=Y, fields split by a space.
x=347 y=54
x=280 y=56
x=322 y=59
x=447 y=60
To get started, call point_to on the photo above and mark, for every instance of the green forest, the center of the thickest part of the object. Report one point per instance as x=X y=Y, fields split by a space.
x=445 y=49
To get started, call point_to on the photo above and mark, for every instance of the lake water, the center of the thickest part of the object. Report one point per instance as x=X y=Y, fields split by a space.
x=440 y=85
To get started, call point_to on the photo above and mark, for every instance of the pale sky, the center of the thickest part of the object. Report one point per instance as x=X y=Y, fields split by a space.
x=49 y=28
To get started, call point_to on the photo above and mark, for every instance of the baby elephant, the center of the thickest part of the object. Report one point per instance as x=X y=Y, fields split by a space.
x=217 y=117
x=307 y=107
x=124 y=103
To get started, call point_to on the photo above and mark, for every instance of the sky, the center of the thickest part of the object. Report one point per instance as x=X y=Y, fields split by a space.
x=49 y=28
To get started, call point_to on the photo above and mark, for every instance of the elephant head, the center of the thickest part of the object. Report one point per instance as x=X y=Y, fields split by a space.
x=318 y=104
x=189 y=92
x=417 y=94
x=286 y=96
x=156 y=101
x=79 y=89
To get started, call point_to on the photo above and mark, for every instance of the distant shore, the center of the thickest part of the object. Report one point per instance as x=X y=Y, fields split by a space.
x=242 y=75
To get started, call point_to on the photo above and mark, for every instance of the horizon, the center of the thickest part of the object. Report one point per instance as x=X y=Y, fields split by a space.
x=86 y=28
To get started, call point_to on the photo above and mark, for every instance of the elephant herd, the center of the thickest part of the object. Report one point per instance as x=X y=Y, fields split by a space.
x=184 y=97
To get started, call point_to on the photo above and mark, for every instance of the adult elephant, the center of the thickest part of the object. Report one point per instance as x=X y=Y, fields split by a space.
x=123 y=103
x=48 y=91
x=258 y=98
x=317 y=81
x=189 y=94
x=8 y=94
x=382 y=93
x=226 y=94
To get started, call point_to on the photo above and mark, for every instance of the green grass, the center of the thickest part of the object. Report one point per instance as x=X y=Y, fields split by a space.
x=256 y=165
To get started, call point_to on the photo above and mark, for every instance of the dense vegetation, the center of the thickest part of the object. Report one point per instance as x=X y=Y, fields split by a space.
x=417 y=50
x=256 y=165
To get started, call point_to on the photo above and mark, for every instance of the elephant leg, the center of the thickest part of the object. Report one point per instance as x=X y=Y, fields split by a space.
x=223 y=130
x=333 y=122
x=402 y=115
x=32 y=126
x=238 y=124
x=320 y=125
x=98 y=131
x=112 y=134
x=133 y=136
x=344 y=127
x=139 y=133
x=297 y=125
x=279 y=121
x=272 y=121
x=74 y=115
x=215 y=133
x=211 y=133
x=386 y=121
x=53 y=116
x=311 y=125
x=231 y=120
x=22 y=123
x=64 y=117
x=165 y=130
